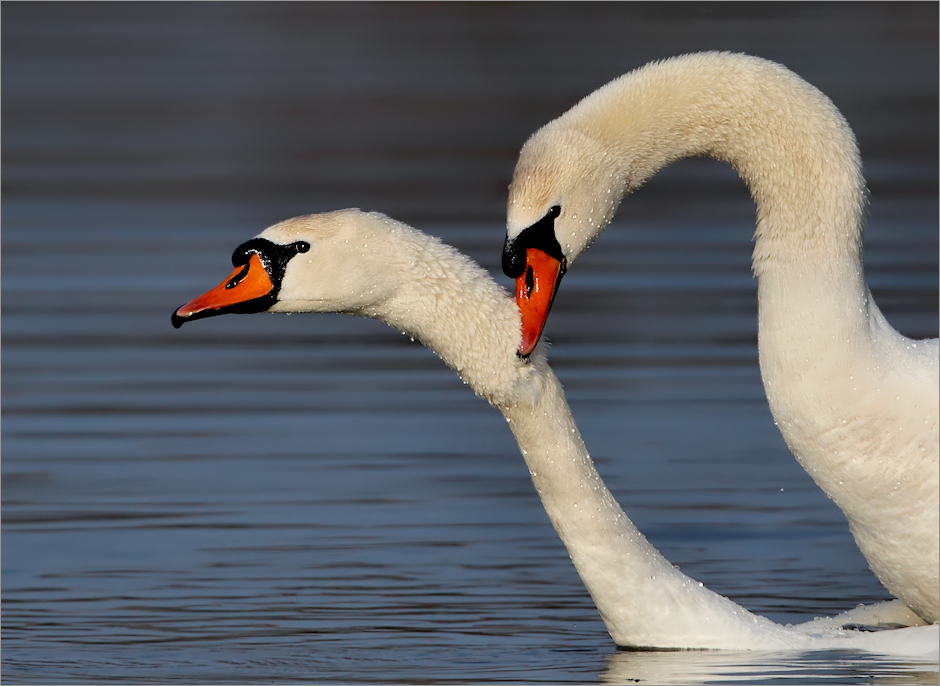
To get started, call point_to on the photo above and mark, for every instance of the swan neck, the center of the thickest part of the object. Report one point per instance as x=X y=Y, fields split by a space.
x=643 y=599
x=452 y=306
x=786 y=139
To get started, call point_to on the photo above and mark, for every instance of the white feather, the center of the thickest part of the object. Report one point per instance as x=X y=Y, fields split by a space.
x=369 y=265
x=856 y=402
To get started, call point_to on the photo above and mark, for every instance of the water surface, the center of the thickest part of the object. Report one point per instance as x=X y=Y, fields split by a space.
x=316 y=498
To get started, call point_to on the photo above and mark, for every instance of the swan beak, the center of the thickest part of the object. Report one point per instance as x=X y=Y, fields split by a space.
x=238 y=293
x=535 y=291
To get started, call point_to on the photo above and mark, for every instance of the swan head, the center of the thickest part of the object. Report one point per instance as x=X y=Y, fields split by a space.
x=564 y=192
x=369 y=265
x=333 y=262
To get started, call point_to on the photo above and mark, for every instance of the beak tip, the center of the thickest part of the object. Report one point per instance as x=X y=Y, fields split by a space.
x=177 y=320
x=535 y=292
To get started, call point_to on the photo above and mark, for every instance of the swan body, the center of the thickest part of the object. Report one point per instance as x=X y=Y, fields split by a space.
x=856 y=402
x=369 y=265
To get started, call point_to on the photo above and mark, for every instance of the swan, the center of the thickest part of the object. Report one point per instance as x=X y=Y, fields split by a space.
x=856 y=402
x=369 y=265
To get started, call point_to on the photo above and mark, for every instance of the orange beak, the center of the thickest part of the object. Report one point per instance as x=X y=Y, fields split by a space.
x=247 y=283
x=535 y=291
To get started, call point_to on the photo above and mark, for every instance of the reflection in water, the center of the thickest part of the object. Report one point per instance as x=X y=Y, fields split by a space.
x=294 y=499
x=704 y=667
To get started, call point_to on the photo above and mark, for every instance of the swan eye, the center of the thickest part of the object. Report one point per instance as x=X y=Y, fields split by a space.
x=273 y=256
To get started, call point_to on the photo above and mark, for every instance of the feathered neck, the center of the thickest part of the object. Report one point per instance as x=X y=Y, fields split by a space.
x=455 y=308
x=785 y=138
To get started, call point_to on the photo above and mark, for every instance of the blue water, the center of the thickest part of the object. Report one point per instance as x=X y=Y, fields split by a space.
x=318 y=499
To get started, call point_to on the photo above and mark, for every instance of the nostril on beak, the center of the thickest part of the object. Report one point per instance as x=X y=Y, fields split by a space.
x=237 y=278
x=529 y=282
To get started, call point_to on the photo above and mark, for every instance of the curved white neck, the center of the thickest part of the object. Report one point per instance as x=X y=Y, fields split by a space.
x=375 y=267
x=456 y=309
x=799 y=159
x=785 y=138
x=790 y=145
x=643 y=599
x=453 y=307
x=845 y=389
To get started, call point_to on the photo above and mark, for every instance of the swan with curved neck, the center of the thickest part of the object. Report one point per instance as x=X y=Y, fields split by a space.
x=369 y=265
x=856 y=402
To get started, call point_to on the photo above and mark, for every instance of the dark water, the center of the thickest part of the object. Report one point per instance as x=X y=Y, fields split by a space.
x=316 y=498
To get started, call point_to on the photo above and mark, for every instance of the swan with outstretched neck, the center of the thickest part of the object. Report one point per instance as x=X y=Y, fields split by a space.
x=856 y=402
x=368 y=265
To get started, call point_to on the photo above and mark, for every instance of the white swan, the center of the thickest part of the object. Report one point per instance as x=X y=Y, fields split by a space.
x=856 y=402
x=369 y=265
